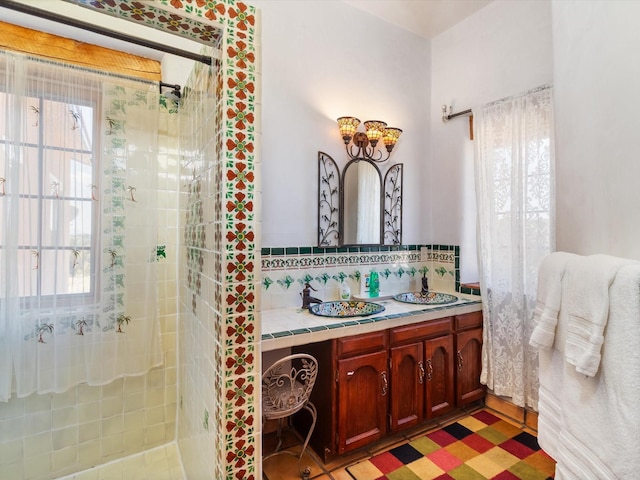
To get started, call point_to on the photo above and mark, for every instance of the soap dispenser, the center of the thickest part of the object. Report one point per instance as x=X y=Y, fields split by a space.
x=374 y=284
x=345 y=291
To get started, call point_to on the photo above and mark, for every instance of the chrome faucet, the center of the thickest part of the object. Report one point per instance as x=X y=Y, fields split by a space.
x=425 y=284
x=307 y=299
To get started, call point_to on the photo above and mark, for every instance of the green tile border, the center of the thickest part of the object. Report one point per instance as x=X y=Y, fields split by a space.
x=275 y=259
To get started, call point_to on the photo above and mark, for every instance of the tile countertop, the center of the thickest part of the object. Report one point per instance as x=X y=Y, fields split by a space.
x=287 y=327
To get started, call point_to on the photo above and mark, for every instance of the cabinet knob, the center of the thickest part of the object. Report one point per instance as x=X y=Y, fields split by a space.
x=429 y=370
x=420 y=373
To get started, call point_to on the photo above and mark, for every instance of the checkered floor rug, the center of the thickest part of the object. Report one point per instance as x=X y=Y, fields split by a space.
x=480 y=446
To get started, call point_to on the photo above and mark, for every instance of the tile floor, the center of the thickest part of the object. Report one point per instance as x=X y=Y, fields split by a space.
x=161 y=463
x=285 y=467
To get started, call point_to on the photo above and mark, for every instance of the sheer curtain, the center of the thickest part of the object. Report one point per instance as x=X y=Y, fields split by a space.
x=514 y=169
x=78 y=227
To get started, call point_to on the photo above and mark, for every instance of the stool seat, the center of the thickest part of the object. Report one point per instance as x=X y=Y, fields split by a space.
x=286 y=388
x=284 y=400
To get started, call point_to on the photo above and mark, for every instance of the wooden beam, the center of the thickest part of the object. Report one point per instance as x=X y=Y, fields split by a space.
x=65 y=50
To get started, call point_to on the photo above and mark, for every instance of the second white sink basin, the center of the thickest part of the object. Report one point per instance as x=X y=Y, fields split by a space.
x=430 y=298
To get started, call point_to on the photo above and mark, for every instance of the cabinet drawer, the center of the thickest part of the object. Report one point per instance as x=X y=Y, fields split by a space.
x=432 y=328
x=367 y=342
x=468 y=320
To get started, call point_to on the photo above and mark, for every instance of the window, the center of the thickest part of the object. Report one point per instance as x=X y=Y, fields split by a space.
x=55 y=199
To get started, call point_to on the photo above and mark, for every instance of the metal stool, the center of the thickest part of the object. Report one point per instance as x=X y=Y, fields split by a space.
x=286 y=387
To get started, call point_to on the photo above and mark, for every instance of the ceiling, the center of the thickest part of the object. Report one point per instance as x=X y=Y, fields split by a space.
x=426 y=18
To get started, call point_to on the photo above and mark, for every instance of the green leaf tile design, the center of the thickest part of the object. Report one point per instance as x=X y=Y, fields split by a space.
x=339 y=277
x=286 y=282
x=441 y=271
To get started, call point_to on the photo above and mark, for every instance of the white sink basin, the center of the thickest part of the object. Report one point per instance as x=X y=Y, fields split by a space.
x=343 y=309
x=430 y=298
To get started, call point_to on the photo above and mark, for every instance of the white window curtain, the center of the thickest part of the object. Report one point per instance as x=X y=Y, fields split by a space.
x=514 y=170
x=78 y=227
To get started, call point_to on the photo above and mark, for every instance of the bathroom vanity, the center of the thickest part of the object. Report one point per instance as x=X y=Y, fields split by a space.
x=383 y=374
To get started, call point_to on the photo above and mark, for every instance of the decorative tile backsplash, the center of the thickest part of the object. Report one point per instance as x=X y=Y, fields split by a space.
x=285 y=270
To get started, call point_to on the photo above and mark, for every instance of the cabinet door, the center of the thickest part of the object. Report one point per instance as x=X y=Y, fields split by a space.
x=363 y=390
x=439 y=376
x=407 y=386
x=469 y=366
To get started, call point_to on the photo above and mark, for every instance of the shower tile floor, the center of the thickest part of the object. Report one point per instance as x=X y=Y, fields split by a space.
x=161 y=463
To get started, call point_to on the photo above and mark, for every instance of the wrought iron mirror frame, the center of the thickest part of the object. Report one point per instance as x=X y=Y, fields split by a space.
x=329 y=198
x=392 y=205
x=331 y=203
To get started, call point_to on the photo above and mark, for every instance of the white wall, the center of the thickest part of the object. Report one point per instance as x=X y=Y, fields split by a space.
x=596 y=78
x=502 y=50
x=333 y=60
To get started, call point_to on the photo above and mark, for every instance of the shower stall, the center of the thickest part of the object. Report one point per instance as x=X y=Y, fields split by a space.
x=203 y=400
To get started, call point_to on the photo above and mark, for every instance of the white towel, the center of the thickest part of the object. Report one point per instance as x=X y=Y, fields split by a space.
x=549 y=295
x=591 y=425
x=588 y=424
x=589 y=279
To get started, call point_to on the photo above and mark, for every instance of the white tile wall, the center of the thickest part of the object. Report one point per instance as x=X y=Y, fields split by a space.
x=161 y=463
x=198 y=410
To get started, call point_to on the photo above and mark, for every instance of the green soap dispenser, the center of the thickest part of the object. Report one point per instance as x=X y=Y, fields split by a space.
x=374 y=284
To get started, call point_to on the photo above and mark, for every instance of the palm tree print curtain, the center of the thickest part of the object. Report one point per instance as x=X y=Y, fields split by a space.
x=78 y=227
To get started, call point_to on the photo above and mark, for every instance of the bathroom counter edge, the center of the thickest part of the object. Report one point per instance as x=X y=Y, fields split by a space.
x=288 y=327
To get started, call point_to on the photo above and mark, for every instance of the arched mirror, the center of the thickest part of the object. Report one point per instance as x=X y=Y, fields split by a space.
x=357 y=207
x=361 y=219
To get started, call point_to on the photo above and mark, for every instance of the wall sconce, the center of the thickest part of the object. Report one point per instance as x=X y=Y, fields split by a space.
x=364 y=143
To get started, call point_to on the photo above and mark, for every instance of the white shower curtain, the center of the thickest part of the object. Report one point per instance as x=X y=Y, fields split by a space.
x=514 y=169
x=78 y=227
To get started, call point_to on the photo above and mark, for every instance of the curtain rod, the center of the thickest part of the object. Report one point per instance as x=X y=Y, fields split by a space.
x=451 y=115
x=22 y=8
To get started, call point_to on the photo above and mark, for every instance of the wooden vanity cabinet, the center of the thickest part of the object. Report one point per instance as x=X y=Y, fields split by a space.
x=468 y=358
x=363 y=389
x=351 y=392
x=407 y=389
x=422 y=374
x=439 y=376
x=390 y=380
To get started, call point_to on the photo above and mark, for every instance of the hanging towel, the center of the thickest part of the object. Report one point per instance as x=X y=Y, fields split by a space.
x=549 y=296
x=591 y=425
x=589 y=279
